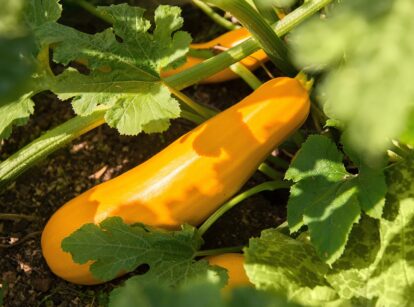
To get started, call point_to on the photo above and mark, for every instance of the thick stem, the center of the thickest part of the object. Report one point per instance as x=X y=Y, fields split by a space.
x=266 y=186
x=46 y=144
x=261 y=30
x=217 y=63
x=218 y=19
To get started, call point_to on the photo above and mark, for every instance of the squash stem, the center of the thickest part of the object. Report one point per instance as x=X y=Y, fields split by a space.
x=218 y=251
x=269 y=171
x=203 y=111
x=46 y=144
x=245 y=73
x=266 y=186
x=90 y=8
x=274 y=47
x=217 y=18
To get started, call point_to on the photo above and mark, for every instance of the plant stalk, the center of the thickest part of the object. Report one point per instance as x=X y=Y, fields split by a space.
x=266 y=186
x=218 y=19
x=218 y=251
x=273 y=46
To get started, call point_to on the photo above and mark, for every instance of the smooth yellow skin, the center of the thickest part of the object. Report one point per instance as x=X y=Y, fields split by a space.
x=225 y=41
x=188 y=180
x=234 y=264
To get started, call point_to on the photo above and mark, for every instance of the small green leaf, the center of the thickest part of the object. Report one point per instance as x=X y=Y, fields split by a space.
x=327 y=198
x=116 y=247
x=15 y=113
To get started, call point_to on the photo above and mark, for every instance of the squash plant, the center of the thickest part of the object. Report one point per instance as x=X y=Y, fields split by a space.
x=348 y=235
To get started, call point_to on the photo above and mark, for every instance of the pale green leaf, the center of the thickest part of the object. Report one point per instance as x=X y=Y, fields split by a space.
x=380 y=265
x=115 y=247
x=277 y=262
x=368 y=85
x=124 y=76
x=196 y=293
x=15 y=113
x=39 y=12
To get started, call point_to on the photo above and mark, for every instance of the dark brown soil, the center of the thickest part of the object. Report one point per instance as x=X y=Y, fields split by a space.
x=93 y=158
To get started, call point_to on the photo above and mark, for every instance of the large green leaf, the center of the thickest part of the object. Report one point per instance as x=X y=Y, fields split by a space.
x=327 y=198
x=379 y=263
x=124 y=75
x=116 y=247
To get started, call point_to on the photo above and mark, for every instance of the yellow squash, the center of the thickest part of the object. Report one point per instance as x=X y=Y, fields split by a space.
x=188 y=180
x=234 y=264
x=223 y=42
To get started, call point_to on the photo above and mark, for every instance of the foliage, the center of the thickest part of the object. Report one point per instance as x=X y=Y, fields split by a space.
x=327 y=198
x=169 y=255
x=350 y=212
x=377 y=267
x=15 y=65
x=202 y=292
x=368 y=65
x=124 y=76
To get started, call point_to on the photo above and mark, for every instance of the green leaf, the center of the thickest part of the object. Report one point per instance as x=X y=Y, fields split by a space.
x=380 y=265
x=15 y=113
x=16 y=44
x=117 y=247
x=39 y=12
x=124 y=75
x=327 y=198
x=277 y=262
x=196 y=293
x=10 y=18
x=366 y=85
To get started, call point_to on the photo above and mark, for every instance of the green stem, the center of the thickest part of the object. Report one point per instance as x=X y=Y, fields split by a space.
x=270 y=171
x=235 y=54
x=245 y=73
x=63 y=134
x=205 y=112
x=266 y=186
x=90 y=8
x=261 y=31
x=218 y=19
x=196 y=119
x=266 y=9
x=46 y=144
x=278 y=162
x=218 y=251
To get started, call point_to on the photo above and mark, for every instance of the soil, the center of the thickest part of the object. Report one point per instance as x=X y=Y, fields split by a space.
x=94 y=158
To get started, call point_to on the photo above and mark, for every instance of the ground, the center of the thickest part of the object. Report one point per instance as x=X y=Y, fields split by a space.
x=93 y=158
